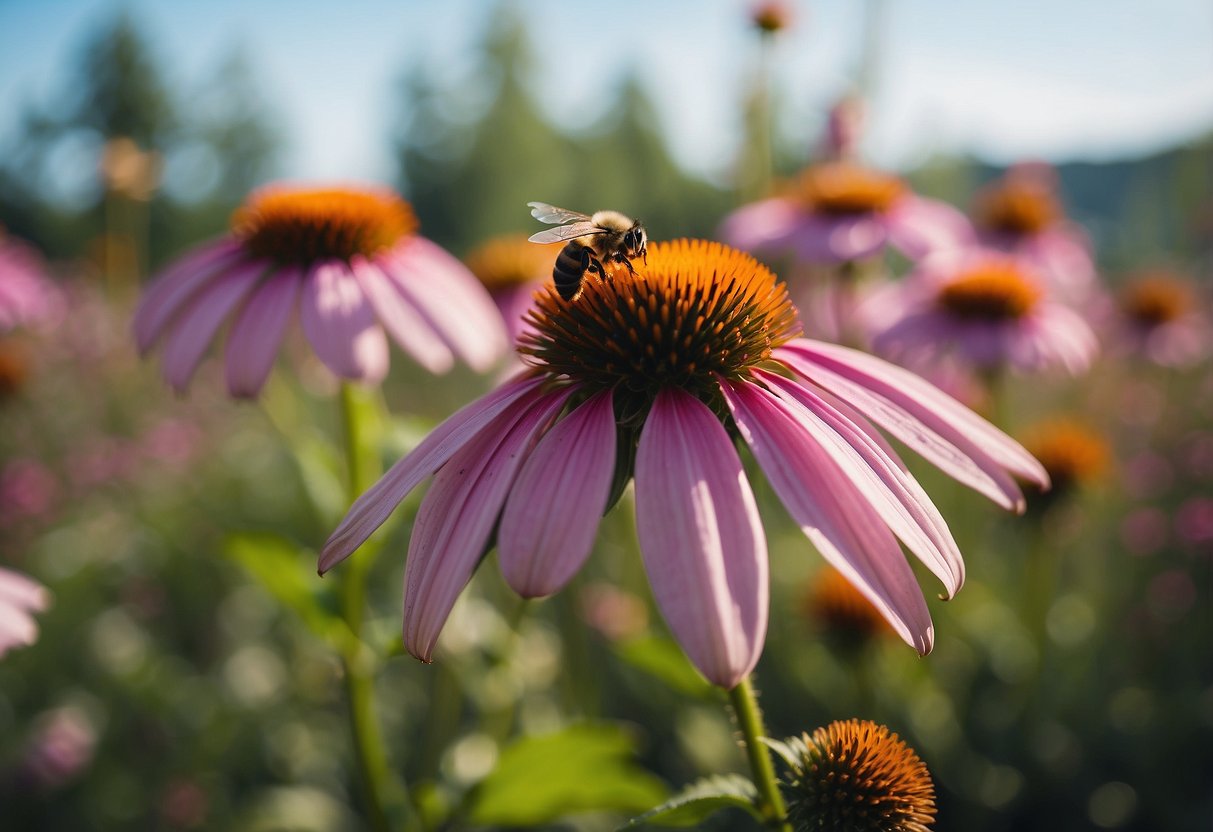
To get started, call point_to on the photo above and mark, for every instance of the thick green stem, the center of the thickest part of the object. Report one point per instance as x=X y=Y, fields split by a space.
x=749 y=719
x=369 y=750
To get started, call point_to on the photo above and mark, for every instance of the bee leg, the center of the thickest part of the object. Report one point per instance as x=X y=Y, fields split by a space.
x=625 y=261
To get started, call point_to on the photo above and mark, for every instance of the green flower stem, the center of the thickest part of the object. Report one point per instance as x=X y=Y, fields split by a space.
x=749 y=719
x=369 y=750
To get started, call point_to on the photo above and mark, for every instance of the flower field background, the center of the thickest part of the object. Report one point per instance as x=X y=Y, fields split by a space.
x=189 y=667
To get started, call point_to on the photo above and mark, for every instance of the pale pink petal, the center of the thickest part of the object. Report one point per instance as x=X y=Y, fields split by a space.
x=196 y=325
x=17 y=629
x=340 y=324
x=1063 y=254
x=943 y=430
x=21 y=591
x=402 y=319
x=371 y=509
x=766 y=225
x=918 y=227
x=452 y=299
x=170 y=291
x=552 y=514
x=701 y=537
x=836 y=517
x=821 y=238
x=457 y=517
x=896 y=495
x=253 y=342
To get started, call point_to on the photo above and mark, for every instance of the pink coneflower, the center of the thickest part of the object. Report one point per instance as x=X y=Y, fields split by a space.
x=1160 y=319
x=350 y=261
x=511 y=268
x=656 y=374
x=20 y=598
x=27 y=296
x=1021 y=214
x=986 y=309
x=839 y=211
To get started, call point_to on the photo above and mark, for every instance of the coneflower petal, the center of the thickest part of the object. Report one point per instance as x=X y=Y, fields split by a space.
x=197 y=325
x=371 y=509
x=457 y=517
x=831 y=511
x=452 y=299
x=176 y=285
x=918 y=227
x=901 y=501
x=258 y=330
x=340 y=324
x=821 y=238
x=552 y=514
x=944 y=431
x=701 y=537
x=767 y=224
x=403 y=321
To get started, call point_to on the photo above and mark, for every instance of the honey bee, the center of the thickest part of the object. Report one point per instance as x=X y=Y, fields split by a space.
x=593 y=242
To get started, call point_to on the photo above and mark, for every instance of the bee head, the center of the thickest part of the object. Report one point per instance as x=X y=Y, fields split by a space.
x=636 y=241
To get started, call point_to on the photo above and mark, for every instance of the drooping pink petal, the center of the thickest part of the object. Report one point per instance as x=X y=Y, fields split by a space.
x=17 y=628
x=552 y=514
x=177 y=284
x=943 y=430
x=22 y=591
x=821 y=238
x=457 y=516
x=452 y=300
x=836 y=517
x=340 y=324
x=196 y=325
x=918 y=227
x=402 y=319
x=701 y=537
x=895 y=494
x=371 y=509
x=253 y=342
x=766 y=225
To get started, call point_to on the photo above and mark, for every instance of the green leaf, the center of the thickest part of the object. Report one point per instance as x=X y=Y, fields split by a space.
x=288 y=573
x=785 y=750
x=663 y=658
x=581 y=768
x=701 y=799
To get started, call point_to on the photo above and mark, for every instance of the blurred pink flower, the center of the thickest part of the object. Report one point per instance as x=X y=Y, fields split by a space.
x=172 y=442
x=20 y=598
x=28 y=490
x=27 y=295
x=1194 y=522
x=984 y=308
x=1145 y=531
x=1021 y=215
x=1158 y=317
x=618 y=388
x=350 y=261
x=838 y=212
x=844 y=128
x=61 y=747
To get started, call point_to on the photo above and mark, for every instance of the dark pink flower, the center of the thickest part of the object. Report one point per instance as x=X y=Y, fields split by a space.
x=839 y=212
x=20 y=598
x=349 y=261
x=984 y=308
x=61 y=747
x=27 y=295
x=658 y=374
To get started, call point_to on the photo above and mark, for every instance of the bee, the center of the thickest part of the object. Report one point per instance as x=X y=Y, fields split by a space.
x=593 y=242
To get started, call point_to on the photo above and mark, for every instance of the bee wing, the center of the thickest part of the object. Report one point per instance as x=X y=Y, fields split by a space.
x=553 y=215
x=565 y=232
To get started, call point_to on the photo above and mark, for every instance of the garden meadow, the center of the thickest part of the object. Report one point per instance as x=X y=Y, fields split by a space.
x=548 y=484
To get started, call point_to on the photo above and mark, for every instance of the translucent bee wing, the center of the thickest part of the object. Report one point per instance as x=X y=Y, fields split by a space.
x=553 y=215
x=565 y=232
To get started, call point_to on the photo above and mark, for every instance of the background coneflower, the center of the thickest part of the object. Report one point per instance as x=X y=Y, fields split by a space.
x=1160 y=318
x=841 y=211
x=1073 y=453
x=512 y=268
x=646 y=374
x=857 y=776
x=350 y=261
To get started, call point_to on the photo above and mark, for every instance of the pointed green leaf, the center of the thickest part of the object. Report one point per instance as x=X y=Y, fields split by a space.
x=581 y=768
x=701 y=799
x=663 y=658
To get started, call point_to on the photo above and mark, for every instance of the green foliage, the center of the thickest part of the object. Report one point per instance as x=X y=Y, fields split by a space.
x=581 y=768
x=663 y=659
x=702 y=799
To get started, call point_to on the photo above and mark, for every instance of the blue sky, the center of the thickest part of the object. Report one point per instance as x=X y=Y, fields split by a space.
x=1059 y=80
